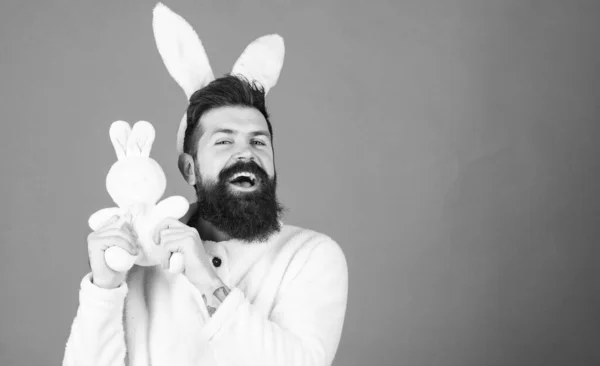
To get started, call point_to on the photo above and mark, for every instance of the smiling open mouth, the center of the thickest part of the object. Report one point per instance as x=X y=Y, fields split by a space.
x=243 y=180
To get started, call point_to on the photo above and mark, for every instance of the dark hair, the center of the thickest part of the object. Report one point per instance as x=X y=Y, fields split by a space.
x=225 y=91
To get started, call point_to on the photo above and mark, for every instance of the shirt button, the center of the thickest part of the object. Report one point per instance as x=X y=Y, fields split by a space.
x=216 y=262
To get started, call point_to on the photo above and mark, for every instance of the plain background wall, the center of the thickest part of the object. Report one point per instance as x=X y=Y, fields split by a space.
x=450 y=147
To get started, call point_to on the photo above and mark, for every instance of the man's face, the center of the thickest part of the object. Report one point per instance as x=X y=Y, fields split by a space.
x=236 y=180
x=231 y=134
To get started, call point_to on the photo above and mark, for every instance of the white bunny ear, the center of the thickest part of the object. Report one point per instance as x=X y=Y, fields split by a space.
x=119 y=135
x=262 y=61
x=181 y=50
x=181 y=133
x=141 y=139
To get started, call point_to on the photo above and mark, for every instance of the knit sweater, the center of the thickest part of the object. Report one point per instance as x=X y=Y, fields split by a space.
x=286 y=307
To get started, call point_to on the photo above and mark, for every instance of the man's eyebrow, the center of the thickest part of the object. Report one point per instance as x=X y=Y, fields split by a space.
x=261 y=133
x=223 y=130
x=231 y=132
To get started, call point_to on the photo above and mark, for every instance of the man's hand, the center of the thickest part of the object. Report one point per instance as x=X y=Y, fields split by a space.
x=176 y=237
x=114 y=232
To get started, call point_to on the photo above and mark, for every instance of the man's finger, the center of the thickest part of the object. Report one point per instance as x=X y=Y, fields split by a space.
x=182 y=231
x=169 y=249
x=166 y=223
x=165 y=260
x=113 y=232
x=170 y=222
x=175 y=230
x=180 y=237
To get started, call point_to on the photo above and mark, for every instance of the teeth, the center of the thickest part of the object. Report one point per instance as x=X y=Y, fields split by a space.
x=249 y=175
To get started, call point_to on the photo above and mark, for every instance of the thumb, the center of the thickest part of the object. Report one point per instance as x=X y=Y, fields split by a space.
x=169 y=250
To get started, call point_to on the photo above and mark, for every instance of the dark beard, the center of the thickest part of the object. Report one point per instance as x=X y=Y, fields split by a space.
x=247 y=216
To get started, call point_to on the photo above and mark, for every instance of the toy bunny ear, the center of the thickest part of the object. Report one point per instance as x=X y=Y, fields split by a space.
x=181 y=50
x=119 y=135
x=262 y=61
x=141 y=139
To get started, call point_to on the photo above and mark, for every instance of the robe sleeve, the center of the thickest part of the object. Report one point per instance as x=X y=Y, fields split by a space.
x=304 y=327
x=97 y=335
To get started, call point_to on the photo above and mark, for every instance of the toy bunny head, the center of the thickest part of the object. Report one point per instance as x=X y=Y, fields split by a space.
x=135 y=179
x=185 y=58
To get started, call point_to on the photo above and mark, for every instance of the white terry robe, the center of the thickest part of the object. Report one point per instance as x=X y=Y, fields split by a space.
x=286 y=308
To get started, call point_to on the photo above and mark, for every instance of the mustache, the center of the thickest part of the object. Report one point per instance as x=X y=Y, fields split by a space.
x=243 y=166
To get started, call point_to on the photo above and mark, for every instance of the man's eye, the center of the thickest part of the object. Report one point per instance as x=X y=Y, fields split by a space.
x=223 y=142
x=259 y=142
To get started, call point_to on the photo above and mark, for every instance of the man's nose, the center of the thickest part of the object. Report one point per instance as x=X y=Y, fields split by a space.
x=244 y=153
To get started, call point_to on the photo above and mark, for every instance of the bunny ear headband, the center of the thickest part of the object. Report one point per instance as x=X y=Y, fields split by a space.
x=185 y=58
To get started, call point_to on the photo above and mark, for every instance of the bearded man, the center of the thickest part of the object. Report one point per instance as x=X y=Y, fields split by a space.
x=253 y=291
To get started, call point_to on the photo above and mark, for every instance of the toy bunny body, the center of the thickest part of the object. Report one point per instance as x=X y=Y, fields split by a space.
x=136 y=183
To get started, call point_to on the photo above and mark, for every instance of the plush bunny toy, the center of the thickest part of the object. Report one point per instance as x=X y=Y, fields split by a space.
x=135 y=183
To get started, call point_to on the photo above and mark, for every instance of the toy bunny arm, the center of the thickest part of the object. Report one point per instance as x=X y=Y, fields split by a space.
x=100 y=217
x=97 y=335
x=174 y=206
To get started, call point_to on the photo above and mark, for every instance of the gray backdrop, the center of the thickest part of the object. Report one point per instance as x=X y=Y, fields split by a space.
x=448 y=146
